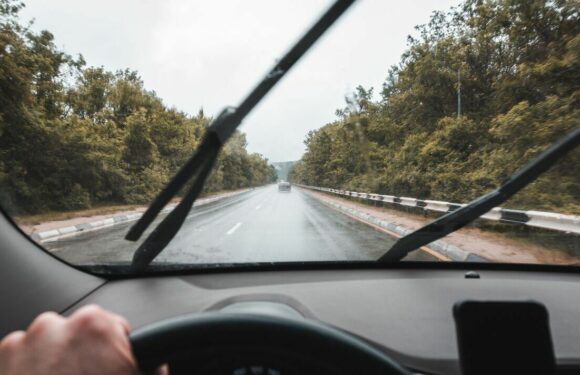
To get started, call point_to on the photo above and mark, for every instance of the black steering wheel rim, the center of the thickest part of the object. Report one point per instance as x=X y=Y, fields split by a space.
x=154 y=344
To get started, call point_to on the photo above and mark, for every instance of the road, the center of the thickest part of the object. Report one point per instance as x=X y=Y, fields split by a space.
x=262 y=225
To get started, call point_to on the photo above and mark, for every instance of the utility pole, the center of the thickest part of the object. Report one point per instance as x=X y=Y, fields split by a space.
x=458 y=93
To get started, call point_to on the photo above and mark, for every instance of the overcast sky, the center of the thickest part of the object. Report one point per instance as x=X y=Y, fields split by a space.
x=210 y=53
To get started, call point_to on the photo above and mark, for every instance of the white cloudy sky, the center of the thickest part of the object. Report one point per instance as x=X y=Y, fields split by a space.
x=211 y=53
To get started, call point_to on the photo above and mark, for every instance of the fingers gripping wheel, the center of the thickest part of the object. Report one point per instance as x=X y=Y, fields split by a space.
x=218 y=343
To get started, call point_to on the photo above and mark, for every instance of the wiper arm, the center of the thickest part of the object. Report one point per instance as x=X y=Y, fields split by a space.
x=202 y=161
x=459 y=218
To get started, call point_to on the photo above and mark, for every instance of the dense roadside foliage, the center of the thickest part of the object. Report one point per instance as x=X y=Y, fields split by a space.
x=73 y=136
x=519 y=68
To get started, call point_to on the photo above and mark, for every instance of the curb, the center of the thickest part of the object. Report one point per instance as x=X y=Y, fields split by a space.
x=53 y=234
x=539 y=219
x=441 y=247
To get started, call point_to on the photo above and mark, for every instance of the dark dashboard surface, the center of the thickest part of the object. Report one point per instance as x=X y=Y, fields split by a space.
x=406 y=313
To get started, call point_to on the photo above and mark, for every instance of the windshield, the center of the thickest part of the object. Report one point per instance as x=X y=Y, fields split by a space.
x=400 y=114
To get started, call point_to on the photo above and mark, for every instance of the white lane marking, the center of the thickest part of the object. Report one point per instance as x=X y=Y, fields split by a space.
x=234 y=228
x=258 y=207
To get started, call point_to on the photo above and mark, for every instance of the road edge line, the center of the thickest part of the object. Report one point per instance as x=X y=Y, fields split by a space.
x=444 y=251
x=393 y=234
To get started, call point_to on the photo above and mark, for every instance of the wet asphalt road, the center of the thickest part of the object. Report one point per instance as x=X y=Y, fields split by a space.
x=261 y=225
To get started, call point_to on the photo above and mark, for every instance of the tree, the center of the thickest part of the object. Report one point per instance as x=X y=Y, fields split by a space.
x=104 y=139
x=517 y=62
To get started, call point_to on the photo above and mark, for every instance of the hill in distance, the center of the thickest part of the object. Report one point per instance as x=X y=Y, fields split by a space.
x=283 y=168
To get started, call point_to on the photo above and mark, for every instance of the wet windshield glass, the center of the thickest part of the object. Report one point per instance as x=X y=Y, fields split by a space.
x=381 y=128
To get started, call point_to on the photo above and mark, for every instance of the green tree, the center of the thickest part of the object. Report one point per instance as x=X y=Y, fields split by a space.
x=516 y=63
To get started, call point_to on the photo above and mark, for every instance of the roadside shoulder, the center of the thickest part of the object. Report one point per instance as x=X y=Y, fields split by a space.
x=468 y=242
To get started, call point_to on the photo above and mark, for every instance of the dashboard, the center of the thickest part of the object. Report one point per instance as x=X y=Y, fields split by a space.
x=406 y=313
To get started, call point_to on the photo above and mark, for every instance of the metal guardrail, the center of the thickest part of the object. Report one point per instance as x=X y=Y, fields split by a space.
x=539 y=219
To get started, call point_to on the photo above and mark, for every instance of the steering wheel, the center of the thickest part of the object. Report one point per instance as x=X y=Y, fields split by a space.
x=250 y=344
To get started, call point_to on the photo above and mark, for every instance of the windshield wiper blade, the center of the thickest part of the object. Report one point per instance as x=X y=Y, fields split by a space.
x=200 y=164
x=457 y=219
x=209 y=144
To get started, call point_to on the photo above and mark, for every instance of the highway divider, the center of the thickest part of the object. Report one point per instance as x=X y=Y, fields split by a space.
x=54 y=234
x=540 y=219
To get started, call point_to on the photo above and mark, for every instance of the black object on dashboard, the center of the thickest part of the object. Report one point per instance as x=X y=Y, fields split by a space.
x=457 y=219
x=200 y=164
x=504 y=337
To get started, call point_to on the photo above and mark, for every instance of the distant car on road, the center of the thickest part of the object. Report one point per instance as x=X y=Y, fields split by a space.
x=284 y=186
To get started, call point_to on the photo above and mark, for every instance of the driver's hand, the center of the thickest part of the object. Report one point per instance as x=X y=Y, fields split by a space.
x=90 y=341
